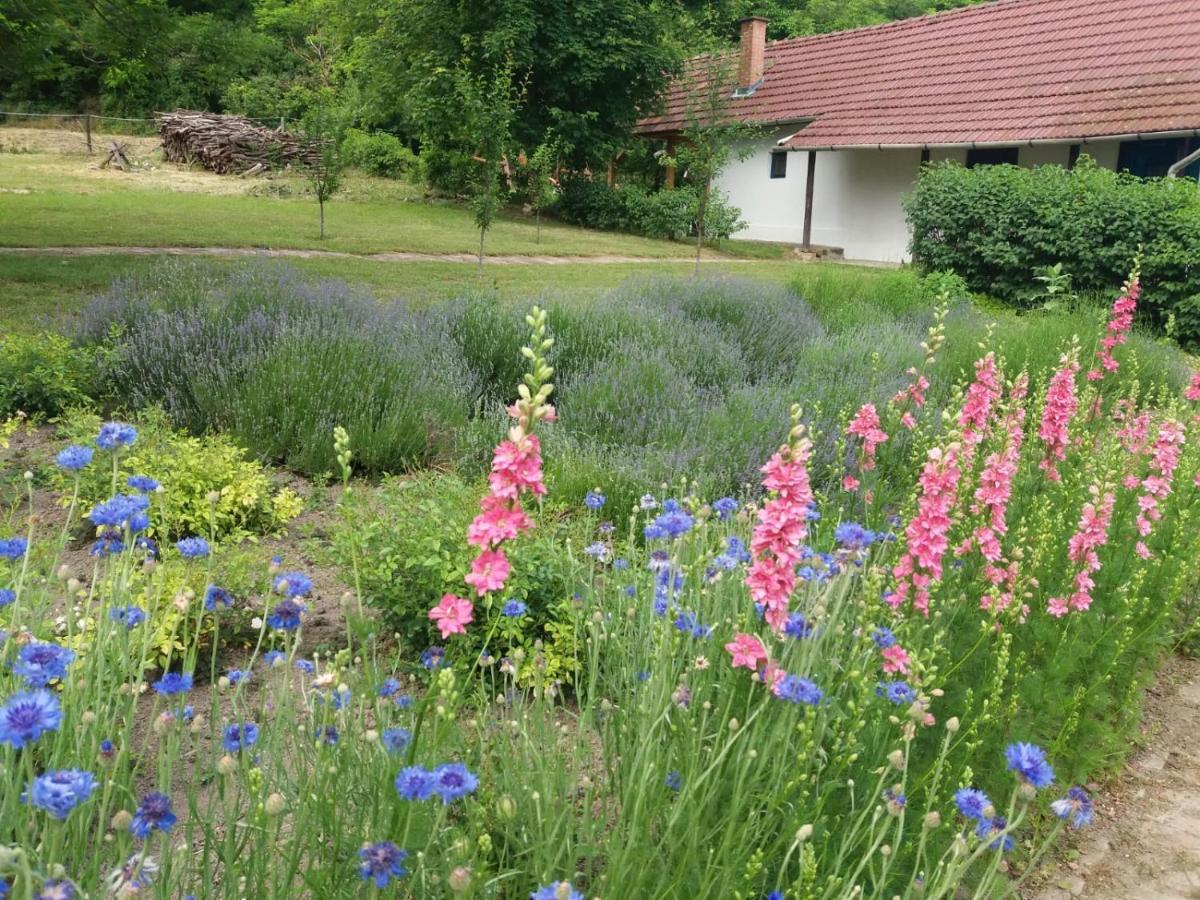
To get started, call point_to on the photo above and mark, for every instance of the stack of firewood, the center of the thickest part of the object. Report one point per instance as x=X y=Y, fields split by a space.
x=226 y=144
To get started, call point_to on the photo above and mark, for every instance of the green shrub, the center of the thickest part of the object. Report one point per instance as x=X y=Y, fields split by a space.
x=409 y=540
x=43 y=374
x=996 y=225
x=378 y=153
x=662 y=214
x=191 y=472
x=448 y=171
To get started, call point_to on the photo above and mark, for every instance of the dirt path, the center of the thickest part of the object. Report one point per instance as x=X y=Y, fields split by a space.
x=389 y=256
x=1145 y=844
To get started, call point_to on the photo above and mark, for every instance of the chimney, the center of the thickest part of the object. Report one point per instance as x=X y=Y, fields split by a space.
x=754 y=48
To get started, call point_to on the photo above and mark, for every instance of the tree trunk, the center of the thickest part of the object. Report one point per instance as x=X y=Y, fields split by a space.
x=321 y=205
x=537 y=217
x=701 y=215
x=482 y=232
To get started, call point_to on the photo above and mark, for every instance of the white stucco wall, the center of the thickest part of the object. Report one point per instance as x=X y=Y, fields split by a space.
x=857 y=194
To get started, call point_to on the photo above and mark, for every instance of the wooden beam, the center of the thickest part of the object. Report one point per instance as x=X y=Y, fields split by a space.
x=670 y=182
x=808 y=198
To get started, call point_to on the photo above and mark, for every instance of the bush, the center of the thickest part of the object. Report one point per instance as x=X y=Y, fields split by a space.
x=191 y=471
x=451 y=172
x=378 y=153
x=408 y=560
x=43 y=374
x=994 y=225
x=277 y=363
x=661 y=214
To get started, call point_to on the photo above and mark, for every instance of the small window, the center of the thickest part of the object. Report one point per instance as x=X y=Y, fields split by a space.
x=1152 y=159
x=779 y=164
x=991 y=156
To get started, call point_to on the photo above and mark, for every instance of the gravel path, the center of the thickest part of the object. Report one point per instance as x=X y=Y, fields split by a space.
x=1145 y=844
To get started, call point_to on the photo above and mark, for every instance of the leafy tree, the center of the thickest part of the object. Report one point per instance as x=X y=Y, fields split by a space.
x=324 y=126
x=487 y=107
x=711 y=138
x=541 y=187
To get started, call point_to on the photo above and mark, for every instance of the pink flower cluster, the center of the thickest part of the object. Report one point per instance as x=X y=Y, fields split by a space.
x=1156 y=487
x=926 y=532
x=452 y=615
x=1119 y=326
x=1061 y=405
x=914 y=394
x=746 y=651
x=866 y=425
x=1081 y=550
x=981 y=396
x=782 y=527
x=1192 y=392
x=992 y=496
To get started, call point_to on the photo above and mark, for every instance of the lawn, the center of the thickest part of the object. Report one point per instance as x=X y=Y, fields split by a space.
x=62 y=199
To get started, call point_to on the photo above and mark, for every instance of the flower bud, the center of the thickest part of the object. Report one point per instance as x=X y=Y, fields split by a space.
x=508 y=807
x=88 y=717
x=896 y=759
x=226 y=765
x=804 y=833
x=952 y=724
x=460 y=879
x=933 y=820
x=121 y=819
x=275 y=804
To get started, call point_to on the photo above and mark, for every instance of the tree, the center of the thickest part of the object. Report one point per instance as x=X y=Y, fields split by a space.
x=711 y=138
x=324 y=126
x=487 y=107
x=541 y=184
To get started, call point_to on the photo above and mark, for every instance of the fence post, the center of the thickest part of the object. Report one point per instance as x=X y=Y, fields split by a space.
x=87 y=130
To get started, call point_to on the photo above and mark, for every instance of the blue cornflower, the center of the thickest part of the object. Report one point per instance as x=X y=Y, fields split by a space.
x=594 y=500
x=273 y=658
x=193 y=548
x=174 y=683
x=145 y=543
x=1029 y=762
x=812 y=514
x=129 y=616
x=107 y=749
x=292 y=584
x=41 y=663
x=109 y=543
x=154 y=812
x=883 y=638
x=395 y=740
x=13 y=548
x=597 y=551
x=327 y=735
x=286 y=615
x=648 y=502
x=453 y=780
x=972 y=803
x=74 y=458
x=642 y=675
x=853 y=536
x=988 y=827
x=688 y=623
x=60 y=792
x=403 y=701
x=381 y=862
x=7 y=596
x=674 y=780
x=797 y=626
x=433 y=657
x=630 y=590
x=56 y=889
x=795 y=689
x=620 y=564
x=415 y=783
x=240 y=737
x=25 y=717
x=339 y=697
x=895 y=800
x=305 y=665
x=217 y=596
x=725 y=507
x=237 y=676
x=119 y=511
x=774 y=895
x=674 y=522
x=115 y=434
x=143 y=483
x=389 y=687
x=1077 y=806
x=897 y=692
x=556 y=891
x=514 y=608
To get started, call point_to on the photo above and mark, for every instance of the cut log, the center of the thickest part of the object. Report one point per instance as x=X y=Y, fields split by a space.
x=116 y=157
x=230 y=144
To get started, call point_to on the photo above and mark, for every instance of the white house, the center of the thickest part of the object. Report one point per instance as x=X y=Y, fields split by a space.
x=851 y=116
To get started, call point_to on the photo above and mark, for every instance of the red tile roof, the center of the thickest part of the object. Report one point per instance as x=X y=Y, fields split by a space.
x=1004 y=72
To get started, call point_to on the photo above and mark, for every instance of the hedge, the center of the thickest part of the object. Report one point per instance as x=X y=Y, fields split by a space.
x=994 y=225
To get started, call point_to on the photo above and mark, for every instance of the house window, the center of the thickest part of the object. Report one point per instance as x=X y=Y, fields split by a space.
x=1151 y=159
x=1073 y=155
x=992 y=156
x=779 y=164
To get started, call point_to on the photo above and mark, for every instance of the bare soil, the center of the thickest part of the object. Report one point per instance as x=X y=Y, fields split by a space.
x=1145 y=843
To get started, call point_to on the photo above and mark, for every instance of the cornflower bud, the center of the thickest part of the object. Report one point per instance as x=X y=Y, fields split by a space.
x=803 y=833
x=460 y=879
x=933 y=820
x=226 y=765
x=952 y=724
x=275 y=804
x=120 y=820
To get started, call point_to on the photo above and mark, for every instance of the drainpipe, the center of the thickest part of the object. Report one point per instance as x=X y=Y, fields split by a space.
x=1177 y=167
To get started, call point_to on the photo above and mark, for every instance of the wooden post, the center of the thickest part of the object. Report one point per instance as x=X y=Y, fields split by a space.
x=808 y=198
x=87 y=130
x=670 y=183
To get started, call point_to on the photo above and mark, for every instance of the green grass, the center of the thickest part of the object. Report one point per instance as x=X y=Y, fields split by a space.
x=34 y=289
x=49 y=199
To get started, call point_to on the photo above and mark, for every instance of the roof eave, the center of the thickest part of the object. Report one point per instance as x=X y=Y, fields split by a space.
x=981 y=145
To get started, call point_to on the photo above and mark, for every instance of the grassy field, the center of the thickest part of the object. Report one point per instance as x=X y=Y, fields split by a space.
x=49 y=197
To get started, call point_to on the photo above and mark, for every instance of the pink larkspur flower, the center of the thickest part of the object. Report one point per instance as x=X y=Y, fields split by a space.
x=1120 y=324
x=866 y=425
x=1061 y=406
x=452 y=614
x=895 y=659
x=489 y=571
x=746 y=651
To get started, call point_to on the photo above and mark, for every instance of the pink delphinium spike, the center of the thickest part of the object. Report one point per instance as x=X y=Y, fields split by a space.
x=1120 y=323
x=1062 y=403
x=1092 y=533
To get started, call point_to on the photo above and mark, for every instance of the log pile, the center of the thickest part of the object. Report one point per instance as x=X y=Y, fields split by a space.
x=225 y=144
